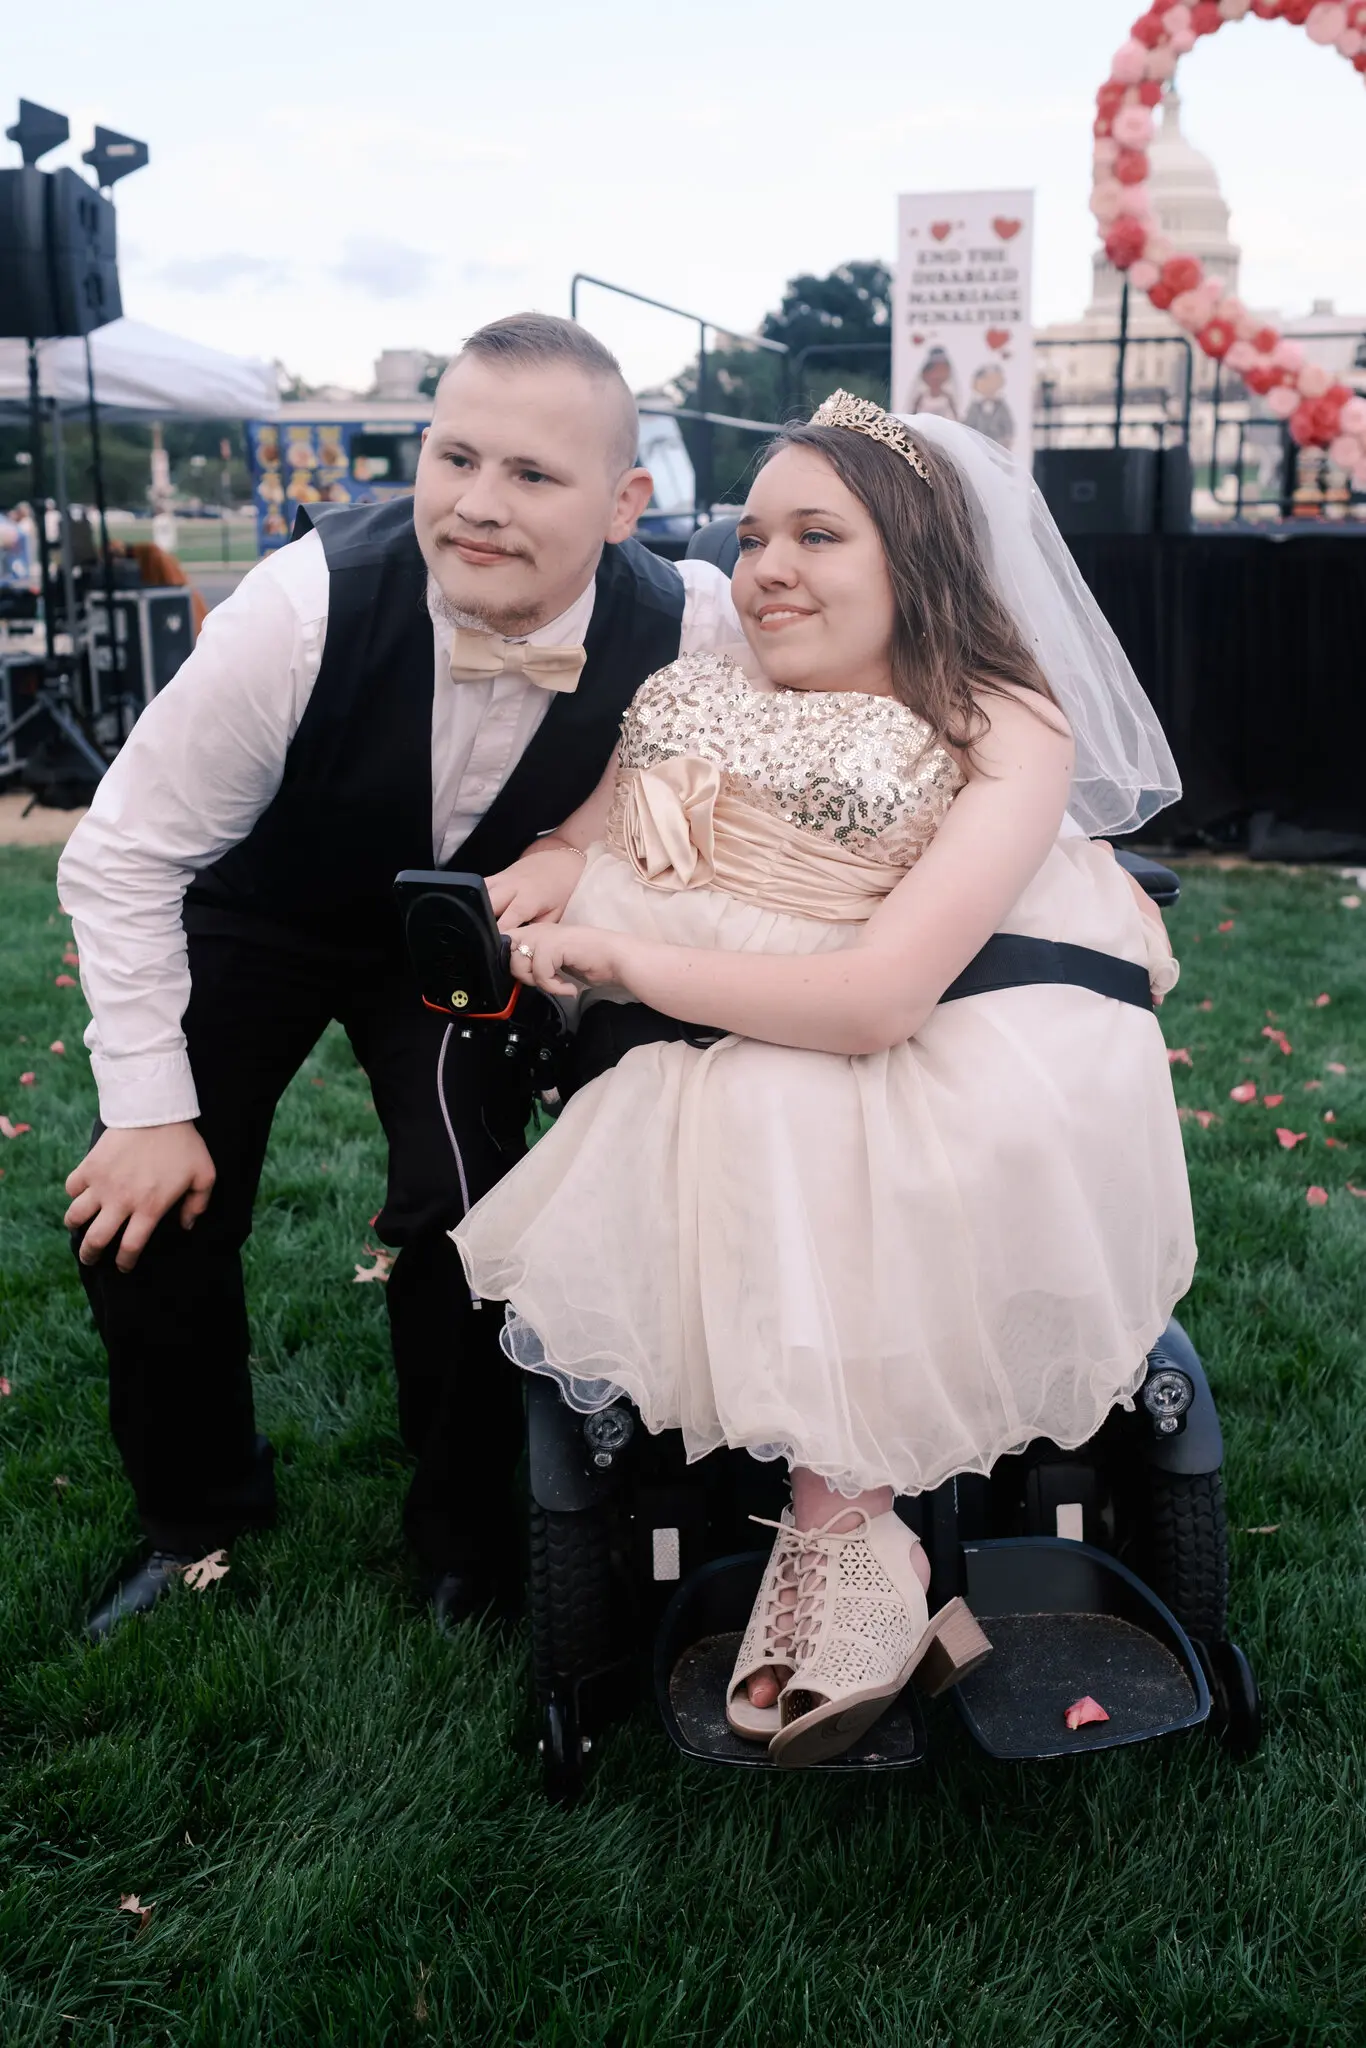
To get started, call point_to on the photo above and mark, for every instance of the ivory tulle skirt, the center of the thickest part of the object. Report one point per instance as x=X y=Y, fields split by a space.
x=888 y=1268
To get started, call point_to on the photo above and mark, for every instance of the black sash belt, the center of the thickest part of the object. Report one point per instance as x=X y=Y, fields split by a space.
x=1009 y=960
x=608 y=1031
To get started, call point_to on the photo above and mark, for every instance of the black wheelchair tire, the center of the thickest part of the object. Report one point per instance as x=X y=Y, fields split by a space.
x=1186 y=1549
x=572 y=1635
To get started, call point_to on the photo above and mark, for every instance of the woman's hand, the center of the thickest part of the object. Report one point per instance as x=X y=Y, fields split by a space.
x=535 y=889
x=545 y=955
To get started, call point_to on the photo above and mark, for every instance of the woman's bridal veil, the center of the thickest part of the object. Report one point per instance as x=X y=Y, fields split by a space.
x=1124 y=770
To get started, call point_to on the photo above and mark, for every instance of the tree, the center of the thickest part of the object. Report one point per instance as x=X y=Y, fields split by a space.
x=837 y=331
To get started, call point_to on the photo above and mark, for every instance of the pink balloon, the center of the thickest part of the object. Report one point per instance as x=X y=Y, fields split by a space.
x=1132 y=127
x=1131 y=62
x=1353 y=417
x=1326 y=22
x=1347 y=451
x=1288 y=355
x=1241 y=356
x=1282 y=400
x=1104 y=153
x=1137 y=200
x=1314 y=380
x=1143 y=275
x=1105 y=200
x=1161 y=63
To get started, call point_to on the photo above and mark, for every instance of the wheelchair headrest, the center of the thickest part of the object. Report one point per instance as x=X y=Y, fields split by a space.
x=716 y=542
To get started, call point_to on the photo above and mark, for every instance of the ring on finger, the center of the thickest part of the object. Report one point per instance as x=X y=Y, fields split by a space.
x=526 y=952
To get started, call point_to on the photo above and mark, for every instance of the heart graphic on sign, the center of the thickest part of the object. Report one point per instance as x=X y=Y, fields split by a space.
x=940 y=228
x=1319 y=412
x=1007 y=229
x=997 y=337
x=917 y=339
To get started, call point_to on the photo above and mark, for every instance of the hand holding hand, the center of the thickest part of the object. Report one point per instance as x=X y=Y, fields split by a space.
x=536 y=888
x=129 y=1180
x=544 y=956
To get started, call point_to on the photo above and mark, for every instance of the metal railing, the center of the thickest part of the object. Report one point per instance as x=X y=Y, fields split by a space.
x=704 y=468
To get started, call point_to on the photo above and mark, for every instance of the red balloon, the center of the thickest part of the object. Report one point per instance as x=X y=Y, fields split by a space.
x=1303 y=431
x=1150 y=92
x=1182 y=273
x=1161 y=295
x=1296 y=12
x=1110 y=98
x=1131 y=166
x=1324 y=413
x=1124 y=243
x=1266 y=9
x=1100 y=126
x=1148 y=30
x=1260 y=378
x=1264 y=340
x=1216 y=338
x=1206 y=18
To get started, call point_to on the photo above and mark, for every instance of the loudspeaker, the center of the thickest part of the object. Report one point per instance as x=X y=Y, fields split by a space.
x=154 y=633
x=26 y=306
x=58 y=255
x=1100 y=490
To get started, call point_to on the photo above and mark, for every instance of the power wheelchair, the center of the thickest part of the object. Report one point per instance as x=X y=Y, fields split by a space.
x=1099 y=1571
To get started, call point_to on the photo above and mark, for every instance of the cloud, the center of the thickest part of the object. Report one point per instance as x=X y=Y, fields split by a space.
x=218 y=273
x=384 y=268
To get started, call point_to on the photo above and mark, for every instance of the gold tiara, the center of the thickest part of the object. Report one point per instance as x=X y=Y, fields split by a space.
x=861 y=416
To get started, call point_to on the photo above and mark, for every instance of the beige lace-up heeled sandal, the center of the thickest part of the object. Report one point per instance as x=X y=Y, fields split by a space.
x=768 y=1640
x=863 y=1629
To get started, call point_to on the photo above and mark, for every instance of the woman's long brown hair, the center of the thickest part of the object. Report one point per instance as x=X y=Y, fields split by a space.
x=953 y=641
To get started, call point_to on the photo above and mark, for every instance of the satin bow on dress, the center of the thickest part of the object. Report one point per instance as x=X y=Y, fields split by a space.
x=681 y=829
x=477 y=656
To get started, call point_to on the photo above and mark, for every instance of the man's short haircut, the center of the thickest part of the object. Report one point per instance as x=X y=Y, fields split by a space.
x=532 y=340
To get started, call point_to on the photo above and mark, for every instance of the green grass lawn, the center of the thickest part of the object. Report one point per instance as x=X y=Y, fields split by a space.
x=333 y=1814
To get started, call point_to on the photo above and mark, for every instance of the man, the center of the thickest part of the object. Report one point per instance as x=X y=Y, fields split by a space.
x=433 y=680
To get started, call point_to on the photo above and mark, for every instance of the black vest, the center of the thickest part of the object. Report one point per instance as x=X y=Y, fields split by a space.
x=355 y=804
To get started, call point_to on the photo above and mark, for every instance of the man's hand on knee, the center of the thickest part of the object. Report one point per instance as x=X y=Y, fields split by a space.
x=129 y=1180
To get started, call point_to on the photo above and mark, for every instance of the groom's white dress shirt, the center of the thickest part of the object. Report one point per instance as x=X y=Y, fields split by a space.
x=207 y=757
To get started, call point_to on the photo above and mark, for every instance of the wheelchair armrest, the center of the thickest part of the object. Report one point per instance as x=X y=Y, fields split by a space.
x=1162 y=884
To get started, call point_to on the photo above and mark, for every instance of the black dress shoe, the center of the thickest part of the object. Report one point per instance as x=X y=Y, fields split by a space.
x=138 y=1591
x=456 y=1595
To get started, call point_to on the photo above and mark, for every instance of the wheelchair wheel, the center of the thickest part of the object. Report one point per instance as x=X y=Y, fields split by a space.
x=1187 y=1549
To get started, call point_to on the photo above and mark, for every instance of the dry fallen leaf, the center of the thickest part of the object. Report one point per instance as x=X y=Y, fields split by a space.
x=1263 y=1529
x=1289 y=1139
x=379 y=1271
x=61 y=1481
x=1246 y=1091
x=1179 y=1058
x=1316 y=1197
x=9 y=1130
x=1272 y=1101
x=201 y=1575
x=1083 y=1710
x=131 y=1903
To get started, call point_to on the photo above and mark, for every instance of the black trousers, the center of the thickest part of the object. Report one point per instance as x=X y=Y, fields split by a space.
x=175 y=1328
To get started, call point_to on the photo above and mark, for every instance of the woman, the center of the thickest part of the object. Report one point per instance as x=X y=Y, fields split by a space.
x=884 y=1239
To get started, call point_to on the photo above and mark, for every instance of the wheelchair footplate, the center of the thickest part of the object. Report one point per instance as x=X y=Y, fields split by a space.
x=695 y=1653
x=1068 y=1622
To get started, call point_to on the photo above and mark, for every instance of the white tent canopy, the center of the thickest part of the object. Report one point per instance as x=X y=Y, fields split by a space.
x=142 y=373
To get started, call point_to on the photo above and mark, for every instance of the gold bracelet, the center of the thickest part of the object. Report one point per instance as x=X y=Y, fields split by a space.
x=552 y=845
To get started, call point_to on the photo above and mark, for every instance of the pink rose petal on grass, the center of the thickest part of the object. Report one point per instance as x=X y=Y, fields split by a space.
x=1272 y=1101
x=1316 y=1197
x=1336 y=1144
x=5 y=1389
x=1289 y=1139
x=380 y=1269
x=1322 y=1002
x=71 y=959
x=57 y=1047
x=1246 y=1091
x=1350 y=902
x=201 y=1575
x=1330 y=1116
x=9 y=1130
x=1334 y=1067
x=1310 y=1086
x=62 y=981
x=1277 y=1037
x=1360 y=1193
x=1227 y=925
x=1083 y=1710
x=27 y=1080
x=1205 y=1117
x=131 y=1903
x=1206 y=1005
x=1178 y=1058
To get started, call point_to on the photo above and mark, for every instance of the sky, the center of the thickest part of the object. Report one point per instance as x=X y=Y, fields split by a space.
x=327 y=180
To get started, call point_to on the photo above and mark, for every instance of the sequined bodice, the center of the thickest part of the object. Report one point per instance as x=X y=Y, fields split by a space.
x=853 y=768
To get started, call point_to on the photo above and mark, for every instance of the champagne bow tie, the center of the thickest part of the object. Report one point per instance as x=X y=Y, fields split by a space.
x=476 y=656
